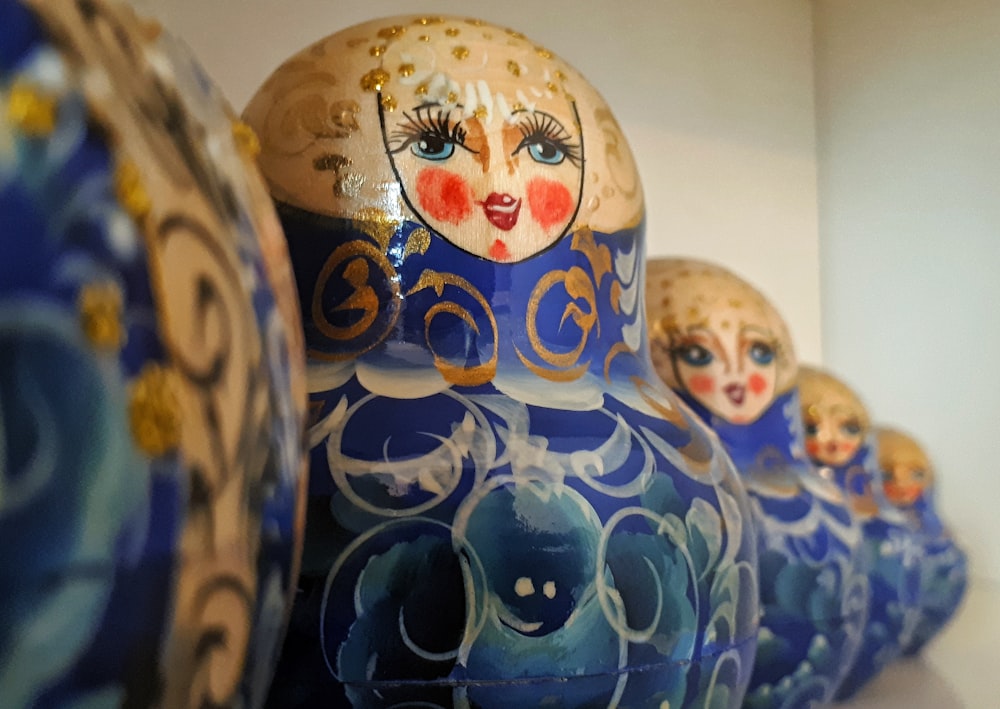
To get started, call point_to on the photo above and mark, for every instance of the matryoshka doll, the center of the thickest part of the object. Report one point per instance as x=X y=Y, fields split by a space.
x=152 y=384
x=909 y=482
x=507 y=509
x=723 y=347
x=839 y=439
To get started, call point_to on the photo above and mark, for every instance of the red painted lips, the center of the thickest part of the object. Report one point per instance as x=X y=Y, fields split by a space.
x=501 y=210
x=736 y=393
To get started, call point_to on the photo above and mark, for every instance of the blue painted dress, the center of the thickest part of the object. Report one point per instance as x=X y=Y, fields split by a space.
x=506 y=509
x=814 y=590
x=893 y=560
x=96 y=493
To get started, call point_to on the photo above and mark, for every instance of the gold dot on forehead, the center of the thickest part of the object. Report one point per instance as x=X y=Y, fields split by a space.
x=352 y=43
x=514 y=34
x=374 y=80
x=552 y=87
x=390 y=32
x=389 y=104
x=406 y=69
x=480 y=112
x=421 y=90
x=518 y=106
x=543 y=52
x=452 y=97
x=460 y=52
x=451 y=31
x=377 y=51
x=514 y=68
x=474 y=22
x=428 y=21
x=560 y=75
x=424 y=38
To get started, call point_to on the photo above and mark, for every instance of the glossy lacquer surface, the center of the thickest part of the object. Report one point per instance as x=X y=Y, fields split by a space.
x=151 y=382
x=506 y=507
x=724 y=348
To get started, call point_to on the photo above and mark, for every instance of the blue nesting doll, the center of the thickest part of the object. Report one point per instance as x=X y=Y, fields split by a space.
x=507 y=509
x=839 y=438
x=723 y=347
x=152 y=379
x=909 y=483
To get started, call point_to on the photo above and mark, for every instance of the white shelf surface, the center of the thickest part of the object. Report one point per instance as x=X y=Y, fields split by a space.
x=960 y=669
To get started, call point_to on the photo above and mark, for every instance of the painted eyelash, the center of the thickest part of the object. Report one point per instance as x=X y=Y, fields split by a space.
x=539 y=124
x=424 y=122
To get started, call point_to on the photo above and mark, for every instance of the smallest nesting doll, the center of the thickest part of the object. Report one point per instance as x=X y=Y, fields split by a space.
x=724 y=348
x=839 y=438
x=909 y=484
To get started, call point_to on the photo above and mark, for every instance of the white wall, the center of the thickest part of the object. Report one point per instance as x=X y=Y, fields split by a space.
x=908 y=105
x=716 y=99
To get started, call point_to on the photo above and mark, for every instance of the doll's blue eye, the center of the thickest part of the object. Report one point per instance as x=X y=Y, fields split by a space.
x=695 y=355
x=761 y=353
x=432 y=147
x=811 y=428
x=851 y=428
x=547 y=152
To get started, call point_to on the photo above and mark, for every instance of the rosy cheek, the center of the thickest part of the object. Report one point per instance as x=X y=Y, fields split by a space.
x=757 y=383
x=550 y=202
x=443 y=195
x=701 y=384
x=812 y=448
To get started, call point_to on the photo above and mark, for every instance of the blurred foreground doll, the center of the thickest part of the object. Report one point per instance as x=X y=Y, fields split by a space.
x=839 y=438
x=724 y=348
x=507 y=508
x=152 y=380
x=909 y=482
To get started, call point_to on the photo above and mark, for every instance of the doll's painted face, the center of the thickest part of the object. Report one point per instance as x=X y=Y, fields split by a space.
x=503 y=189
x=906 y=470
x=834 y=433
x=729 y=367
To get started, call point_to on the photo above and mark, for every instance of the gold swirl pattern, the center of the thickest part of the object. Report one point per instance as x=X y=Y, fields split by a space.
x=563 y=366
x=460 y=374
x=349 y=264
x=32 y=111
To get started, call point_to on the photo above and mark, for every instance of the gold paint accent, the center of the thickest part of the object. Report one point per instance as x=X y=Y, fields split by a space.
x=356 y=257
x=451 y=31
x=615 y=350
x=552 y=87
x=377 y=224
x=424 y=38
x=452 y=97
x=406 y=69
x=598 y=256
x=33 y=112
x=150 y=29
x=616 y=296
x=153 y=410
x=421 y=90
x=352 y=43
x=650 y=395
x=392 y=32
x=131 y=191
x=460 y=52
x=560 y=75
x=344 y=115
x=543 y=52
x=475 y=22
x=480 y=112
x=331 y=161
x=463 y=374
x=389 y=103
x=349 y=185
x=514 y=34
x=100 y=308
x=572 y=99
x=377 y=50
x=374 y=80
x=246 y=139
x=417 y=243
x=428 y=21
x=514 y=68
x=518 y=106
